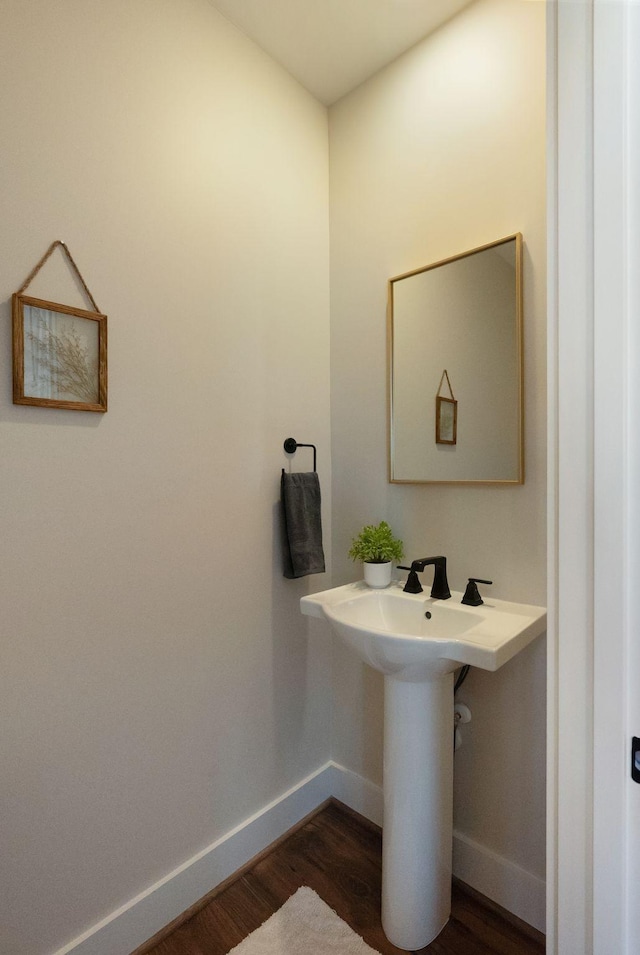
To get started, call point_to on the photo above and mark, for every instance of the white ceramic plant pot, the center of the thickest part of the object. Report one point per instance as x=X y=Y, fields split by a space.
x=377 y=575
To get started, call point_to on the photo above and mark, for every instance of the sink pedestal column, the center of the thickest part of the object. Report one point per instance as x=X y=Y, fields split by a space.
x=418 y=810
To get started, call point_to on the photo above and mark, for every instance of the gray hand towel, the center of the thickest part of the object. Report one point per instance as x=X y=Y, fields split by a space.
x=302 y=545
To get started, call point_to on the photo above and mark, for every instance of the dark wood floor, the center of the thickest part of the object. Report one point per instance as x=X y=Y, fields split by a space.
x=338 y=854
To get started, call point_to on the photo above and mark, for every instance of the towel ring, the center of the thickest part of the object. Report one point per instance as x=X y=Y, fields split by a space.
x=291 y=446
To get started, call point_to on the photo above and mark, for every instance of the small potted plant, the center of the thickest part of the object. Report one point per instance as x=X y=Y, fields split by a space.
x=376 y=547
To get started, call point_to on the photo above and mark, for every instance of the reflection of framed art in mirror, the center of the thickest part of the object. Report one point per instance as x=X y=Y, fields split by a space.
x=446 y=420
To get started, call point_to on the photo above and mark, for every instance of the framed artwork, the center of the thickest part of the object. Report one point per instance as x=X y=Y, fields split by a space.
x=59 y=355
x=446 y=420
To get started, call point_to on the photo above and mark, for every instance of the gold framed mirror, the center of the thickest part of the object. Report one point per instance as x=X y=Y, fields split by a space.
x=461 y=316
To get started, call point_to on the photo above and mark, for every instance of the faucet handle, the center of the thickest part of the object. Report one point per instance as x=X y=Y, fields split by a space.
x=471 y=595
x=413 y=585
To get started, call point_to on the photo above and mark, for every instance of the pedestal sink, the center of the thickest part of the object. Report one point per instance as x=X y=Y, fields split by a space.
x=418 y=642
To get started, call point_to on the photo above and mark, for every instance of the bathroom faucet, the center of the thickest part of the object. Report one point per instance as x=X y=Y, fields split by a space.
x=440 y=589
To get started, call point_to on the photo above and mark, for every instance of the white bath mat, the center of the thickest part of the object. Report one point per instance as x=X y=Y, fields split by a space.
x=305 y=925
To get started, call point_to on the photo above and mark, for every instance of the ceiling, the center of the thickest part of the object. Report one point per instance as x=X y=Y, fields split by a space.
x=331 y=46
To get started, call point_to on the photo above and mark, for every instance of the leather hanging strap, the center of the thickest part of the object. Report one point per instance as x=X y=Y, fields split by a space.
x=445 y=375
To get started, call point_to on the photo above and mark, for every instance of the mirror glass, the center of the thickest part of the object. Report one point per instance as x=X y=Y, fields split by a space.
x=455 y=369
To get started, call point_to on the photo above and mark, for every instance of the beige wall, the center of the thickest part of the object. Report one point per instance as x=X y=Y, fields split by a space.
x=156 y=686
x=441 y=152
x=154 y=689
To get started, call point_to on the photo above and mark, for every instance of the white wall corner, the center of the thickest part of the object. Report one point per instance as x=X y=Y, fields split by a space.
x=358 y=793
x=140 y=918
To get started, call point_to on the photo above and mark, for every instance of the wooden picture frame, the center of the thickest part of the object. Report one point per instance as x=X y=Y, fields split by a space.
x=446 y=420
x=59 y=355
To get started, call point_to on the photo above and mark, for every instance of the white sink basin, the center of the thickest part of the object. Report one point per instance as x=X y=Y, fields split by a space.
x=414 y=637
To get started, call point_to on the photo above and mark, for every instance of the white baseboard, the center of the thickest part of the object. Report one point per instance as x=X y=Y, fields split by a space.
x=357 y=792
x=139 y=919
x=506 y=883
